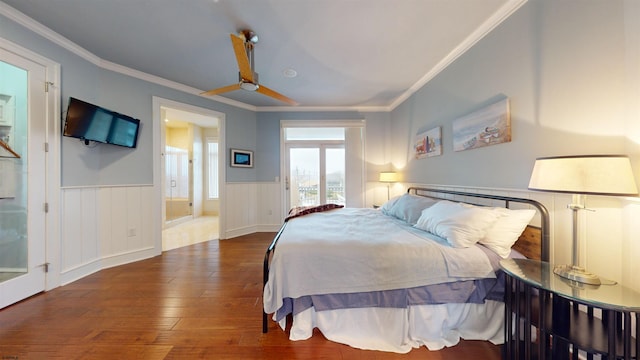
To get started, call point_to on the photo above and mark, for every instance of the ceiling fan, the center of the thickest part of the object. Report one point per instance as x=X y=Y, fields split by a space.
x=243 y=45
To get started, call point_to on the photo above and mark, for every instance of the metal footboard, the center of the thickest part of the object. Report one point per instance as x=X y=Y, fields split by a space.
x=265 y=273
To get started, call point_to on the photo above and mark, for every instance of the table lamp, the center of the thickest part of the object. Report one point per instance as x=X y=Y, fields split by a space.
x=581 y=175
x=388 y=177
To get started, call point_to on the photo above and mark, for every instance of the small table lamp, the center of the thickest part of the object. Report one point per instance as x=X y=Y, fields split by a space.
x=388 y=177
x=581 y=175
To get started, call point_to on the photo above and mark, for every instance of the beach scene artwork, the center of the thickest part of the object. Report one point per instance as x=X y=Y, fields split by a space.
x=428 y=143
x=488 y=126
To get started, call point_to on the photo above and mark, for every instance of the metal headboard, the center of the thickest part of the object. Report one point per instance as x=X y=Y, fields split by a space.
x=542 y=210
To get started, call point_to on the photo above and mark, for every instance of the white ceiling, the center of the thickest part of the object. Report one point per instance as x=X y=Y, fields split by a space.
x=365 y=54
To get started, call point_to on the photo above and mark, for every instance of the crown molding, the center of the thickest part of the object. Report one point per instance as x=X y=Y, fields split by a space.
x=498 y=17
x=322 y=108
x=47 y=33
x=170 y=84
x=42 y=30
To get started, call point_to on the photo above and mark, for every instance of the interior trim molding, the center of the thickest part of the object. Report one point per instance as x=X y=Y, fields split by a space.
x=498 y=17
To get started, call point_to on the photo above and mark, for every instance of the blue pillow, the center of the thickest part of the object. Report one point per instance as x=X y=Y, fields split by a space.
x=408 y=207
x=386 y=207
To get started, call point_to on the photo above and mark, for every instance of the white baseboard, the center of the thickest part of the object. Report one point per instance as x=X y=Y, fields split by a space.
x=269 y=228
x=233 y=233
x=78 y=272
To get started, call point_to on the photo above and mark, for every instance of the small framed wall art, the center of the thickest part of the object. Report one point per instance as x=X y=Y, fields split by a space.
x=241 y=158
x=428 y=143
x=485 y=127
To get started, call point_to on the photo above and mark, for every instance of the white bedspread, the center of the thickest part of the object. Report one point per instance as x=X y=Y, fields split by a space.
x=400 y=330
x=326 y=253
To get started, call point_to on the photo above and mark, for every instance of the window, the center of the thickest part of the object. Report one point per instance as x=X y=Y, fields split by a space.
x=212 y=163
x=313 y=133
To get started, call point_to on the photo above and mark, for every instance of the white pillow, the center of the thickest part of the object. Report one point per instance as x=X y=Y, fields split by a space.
x=409 y=207
x=501 y=236
x=460 y=224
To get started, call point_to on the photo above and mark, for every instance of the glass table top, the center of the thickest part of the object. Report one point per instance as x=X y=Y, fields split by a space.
x=540 y=274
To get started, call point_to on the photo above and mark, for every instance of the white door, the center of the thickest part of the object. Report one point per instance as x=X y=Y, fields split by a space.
x=23 y=129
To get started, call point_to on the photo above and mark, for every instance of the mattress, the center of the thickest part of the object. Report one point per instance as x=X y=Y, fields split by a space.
x=370 y=280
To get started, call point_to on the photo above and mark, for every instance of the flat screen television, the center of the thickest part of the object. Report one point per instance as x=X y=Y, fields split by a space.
x=93 y=123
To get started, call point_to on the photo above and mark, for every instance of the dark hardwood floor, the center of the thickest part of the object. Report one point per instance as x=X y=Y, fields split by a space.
x=198 y=302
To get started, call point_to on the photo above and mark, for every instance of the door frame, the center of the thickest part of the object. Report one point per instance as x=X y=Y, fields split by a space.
x=158 y=160
x=355 y=123
x=52 y=158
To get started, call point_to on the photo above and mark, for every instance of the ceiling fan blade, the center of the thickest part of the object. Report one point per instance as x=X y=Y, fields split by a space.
x=241 y=56
x=221 y=90
x=276 y=95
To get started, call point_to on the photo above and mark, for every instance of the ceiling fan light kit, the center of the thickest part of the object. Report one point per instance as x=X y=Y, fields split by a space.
x=243 y=46
x=248 y=86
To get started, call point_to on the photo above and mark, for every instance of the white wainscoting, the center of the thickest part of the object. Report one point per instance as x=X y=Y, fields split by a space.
x=104 y=227
x=252 y=207
x=108 y=226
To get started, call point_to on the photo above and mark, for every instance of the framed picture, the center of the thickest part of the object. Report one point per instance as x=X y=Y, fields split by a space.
x=241 y=158
x=428 y=143
x=488 y=126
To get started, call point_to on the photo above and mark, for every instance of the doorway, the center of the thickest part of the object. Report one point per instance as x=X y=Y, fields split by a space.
x=190 y=176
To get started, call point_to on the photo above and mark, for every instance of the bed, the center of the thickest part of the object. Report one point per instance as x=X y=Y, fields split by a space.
x=423 y=270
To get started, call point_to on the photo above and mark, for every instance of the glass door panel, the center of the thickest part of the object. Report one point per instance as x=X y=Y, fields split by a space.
x=316 y=175
x=13 y=173
x=304 y=176
x=177 y=182
x=178 y=193
x=335 y=176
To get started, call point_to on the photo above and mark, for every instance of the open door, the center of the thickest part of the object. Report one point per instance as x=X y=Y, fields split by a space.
x=23 y=129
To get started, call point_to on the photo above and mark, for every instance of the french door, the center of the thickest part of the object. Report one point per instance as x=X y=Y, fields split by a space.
x=316 y=173
x=322 y=162
x=23 y=133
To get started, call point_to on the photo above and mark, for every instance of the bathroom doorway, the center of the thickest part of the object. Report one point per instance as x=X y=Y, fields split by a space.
x=190 y=165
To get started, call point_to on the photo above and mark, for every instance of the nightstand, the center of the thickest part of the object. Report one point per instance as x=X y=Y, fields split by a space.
x=567 y=317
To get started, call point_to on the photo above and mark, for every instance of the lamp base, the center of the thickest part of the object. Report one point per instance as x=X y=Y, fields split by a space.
x=577 y=274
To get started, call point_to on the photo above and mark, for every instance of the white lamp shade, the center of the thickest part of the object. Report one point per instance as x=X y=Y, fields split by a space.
x=388 y=176
x=584 y=174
